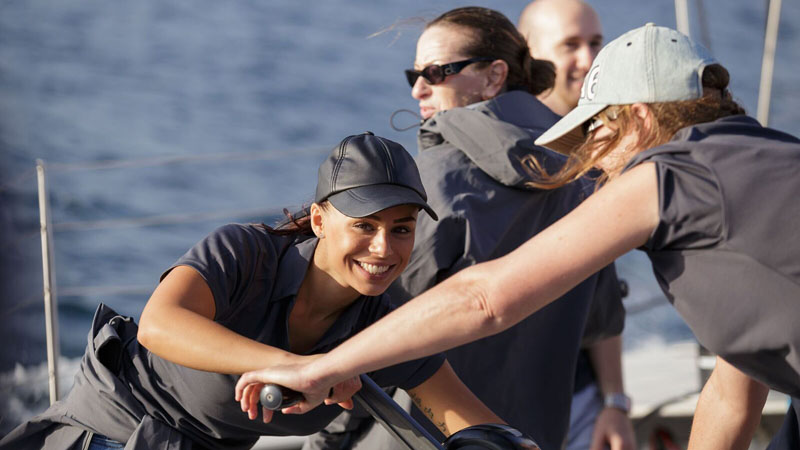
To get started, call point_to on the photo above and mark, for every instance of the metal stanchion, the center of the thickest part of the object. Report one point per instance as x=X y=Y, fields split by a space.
x=48 y=278
x=682 y=16
x=768 y=61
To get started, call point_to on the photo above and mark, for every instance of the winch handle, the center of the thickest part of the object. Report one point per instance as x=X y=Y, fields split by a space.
x=276 y=397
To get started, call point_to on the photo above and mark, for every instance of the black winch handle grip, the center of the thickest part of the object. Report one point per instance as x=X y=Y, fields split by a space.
x=276 y=397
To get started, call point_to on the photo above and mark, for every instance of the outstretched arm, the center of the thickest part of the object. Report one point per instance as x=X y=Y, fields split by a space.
x=177 y=324
x=728 y=410
x=490 y=297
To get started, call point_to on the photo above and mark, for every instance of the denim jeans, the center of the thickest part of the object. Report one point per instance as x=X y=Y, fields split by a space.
x=100 y=442
x=788 y=437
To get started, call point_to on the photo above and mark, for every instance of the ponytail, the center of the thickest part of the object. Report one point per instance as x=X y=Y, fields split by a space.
x=541 y=73
x=293 y=224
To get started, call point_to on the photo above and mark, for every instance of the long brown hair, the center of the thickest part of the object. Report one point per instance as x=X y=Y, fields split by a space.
x=669 y=118
x=494 y=36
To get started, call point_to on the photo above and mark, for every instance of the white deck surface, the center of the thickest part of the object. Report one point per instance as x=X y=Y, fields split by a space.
x=668 y=375
x=279 y=443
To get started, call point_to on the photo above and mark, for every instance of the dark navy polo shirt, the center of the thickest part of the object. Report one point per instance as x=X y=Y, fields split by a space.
x=726 y=250
x=254 y=277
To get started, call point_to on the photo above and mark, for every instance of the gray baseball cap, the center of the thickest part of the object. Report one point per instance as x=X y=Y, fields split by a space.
x=649 y=64
x=365 y=174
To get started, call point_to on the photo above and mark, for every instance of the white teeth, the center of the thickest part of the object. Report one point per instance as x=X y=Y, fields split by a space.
x=372 y=268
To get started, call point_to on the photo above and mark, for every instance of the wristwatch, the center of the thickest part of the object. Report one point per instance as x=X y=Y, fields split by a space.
x=617 y=400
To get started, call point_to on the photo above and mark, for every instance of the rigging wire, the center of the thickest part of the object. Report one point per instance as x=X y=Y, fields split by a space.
x=166 y=219
x=178 y=159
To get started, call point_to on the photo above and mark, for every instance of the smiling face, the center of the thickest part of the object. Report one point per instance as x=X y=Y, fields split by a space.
x=443 y=44
x=364 y=254
x=567 y=33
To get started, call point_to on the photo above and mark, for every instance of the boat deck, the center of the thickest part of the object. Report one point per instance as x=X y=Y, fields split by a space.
x=664 y=382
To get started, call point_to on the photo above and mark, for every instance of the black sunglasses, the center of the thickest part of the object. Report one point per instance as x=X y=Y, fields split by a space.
x=435 y=73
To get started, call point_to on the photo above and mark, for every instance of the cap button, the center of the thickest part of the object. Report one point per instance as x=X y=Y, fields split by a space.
x=368 y=133
x=650 y=24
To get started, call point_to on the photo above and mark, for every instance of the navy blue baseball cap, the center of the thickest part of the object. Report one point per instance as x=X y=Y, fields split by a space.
x=365 y=174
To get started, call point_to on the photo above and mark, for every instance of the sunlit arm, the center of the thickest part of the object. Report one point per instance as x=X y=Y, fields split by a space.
x=612 y=427
x=728 y=410
x=177 y=325
x=490 y=297
x=449 y=404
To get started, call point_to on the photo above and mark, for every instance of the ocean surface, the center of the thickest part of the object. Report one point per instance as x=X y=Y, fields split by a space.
x=159 y=121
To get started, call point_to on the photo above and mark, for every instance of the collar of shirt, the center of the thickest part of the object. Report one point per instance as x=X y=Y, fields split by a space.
x=291 y=272
x=292 y=268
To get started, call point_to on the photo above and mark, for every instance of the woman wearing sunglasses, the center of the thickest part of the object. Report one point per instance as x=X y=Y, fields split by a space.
x=249 y=296
x=476 y=84
x=707 y=192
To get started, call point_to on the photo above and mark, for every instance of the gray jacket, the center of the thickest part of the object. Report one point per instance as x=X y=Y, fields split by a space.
x=98 y=385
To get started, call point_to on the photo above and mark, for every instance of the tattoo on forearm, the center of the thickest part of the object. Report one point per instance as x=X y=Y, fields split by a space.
x=439 y=423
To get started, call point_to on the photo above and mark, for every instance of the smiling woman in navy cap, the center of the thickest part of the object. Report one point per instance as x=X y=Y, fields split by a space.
x=706 y=191
x=250 y=296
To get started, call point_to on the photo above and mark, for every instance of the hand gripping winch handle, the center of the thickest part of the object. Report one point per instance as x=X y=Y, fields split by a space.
x=372 y=398
x=276 y=397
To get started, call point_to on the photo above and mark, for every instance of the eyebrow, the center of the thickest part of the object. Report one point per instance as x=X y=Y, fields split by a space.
x=577 y=36
x=404 y=219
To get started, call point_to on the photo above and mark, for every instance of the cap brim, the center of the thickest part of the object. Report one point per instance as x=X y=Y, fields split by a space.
x=566 y=135
x=365 y=200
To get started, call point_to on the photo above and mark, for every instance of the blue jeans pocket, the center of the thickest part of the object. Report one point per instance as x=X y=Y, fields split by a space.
x=100 y=442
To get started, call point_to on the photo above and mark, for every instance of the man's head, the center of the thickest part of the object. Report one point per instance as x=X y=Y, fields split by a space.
x=567 y=33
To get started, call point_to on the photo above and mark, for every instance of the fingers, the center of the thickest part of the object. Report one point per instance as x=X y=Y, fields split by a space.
x=347 y=404
x=267 y=415
x=599 y=432
x=598 y=439
x=248 y=389
x=613 y=430
x=249 y=400
x=250 y=403
x=343 y=392
x=616 y=443
x=245 y=380
x=299 y=408
x=253 y=397
x=243 y=398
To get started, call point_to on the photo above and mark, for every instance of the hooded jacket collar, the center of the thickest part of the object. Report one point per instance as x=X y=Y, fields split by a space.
x=497 y=135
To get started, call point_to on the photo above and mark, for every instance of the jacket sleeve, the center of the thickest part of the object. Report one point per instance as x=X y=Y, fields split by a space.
x=437 y=249
x=606 y=314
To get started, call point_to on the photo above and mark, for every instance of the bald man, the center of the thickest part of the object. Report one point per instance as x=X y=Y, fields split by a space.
x=568 y=33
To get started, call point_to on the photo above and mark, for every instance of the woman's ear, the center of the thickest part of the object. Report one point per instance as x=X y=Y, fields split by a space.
x=496 y=75
x=643 y=113
x=317 y=220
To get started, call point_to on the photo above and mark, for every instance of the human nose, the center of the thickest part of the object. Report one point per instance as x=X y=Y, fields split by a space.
x=379 y=244
x=421 y=89
x=585 y=56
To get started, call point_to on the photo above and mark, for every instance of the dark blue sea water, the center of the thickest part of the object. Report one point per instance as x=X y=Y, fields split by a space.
x=271 y=86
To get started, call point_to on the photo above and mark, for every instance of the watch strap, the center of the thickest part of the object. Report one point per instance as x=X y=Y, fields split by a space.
x=617 y=400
